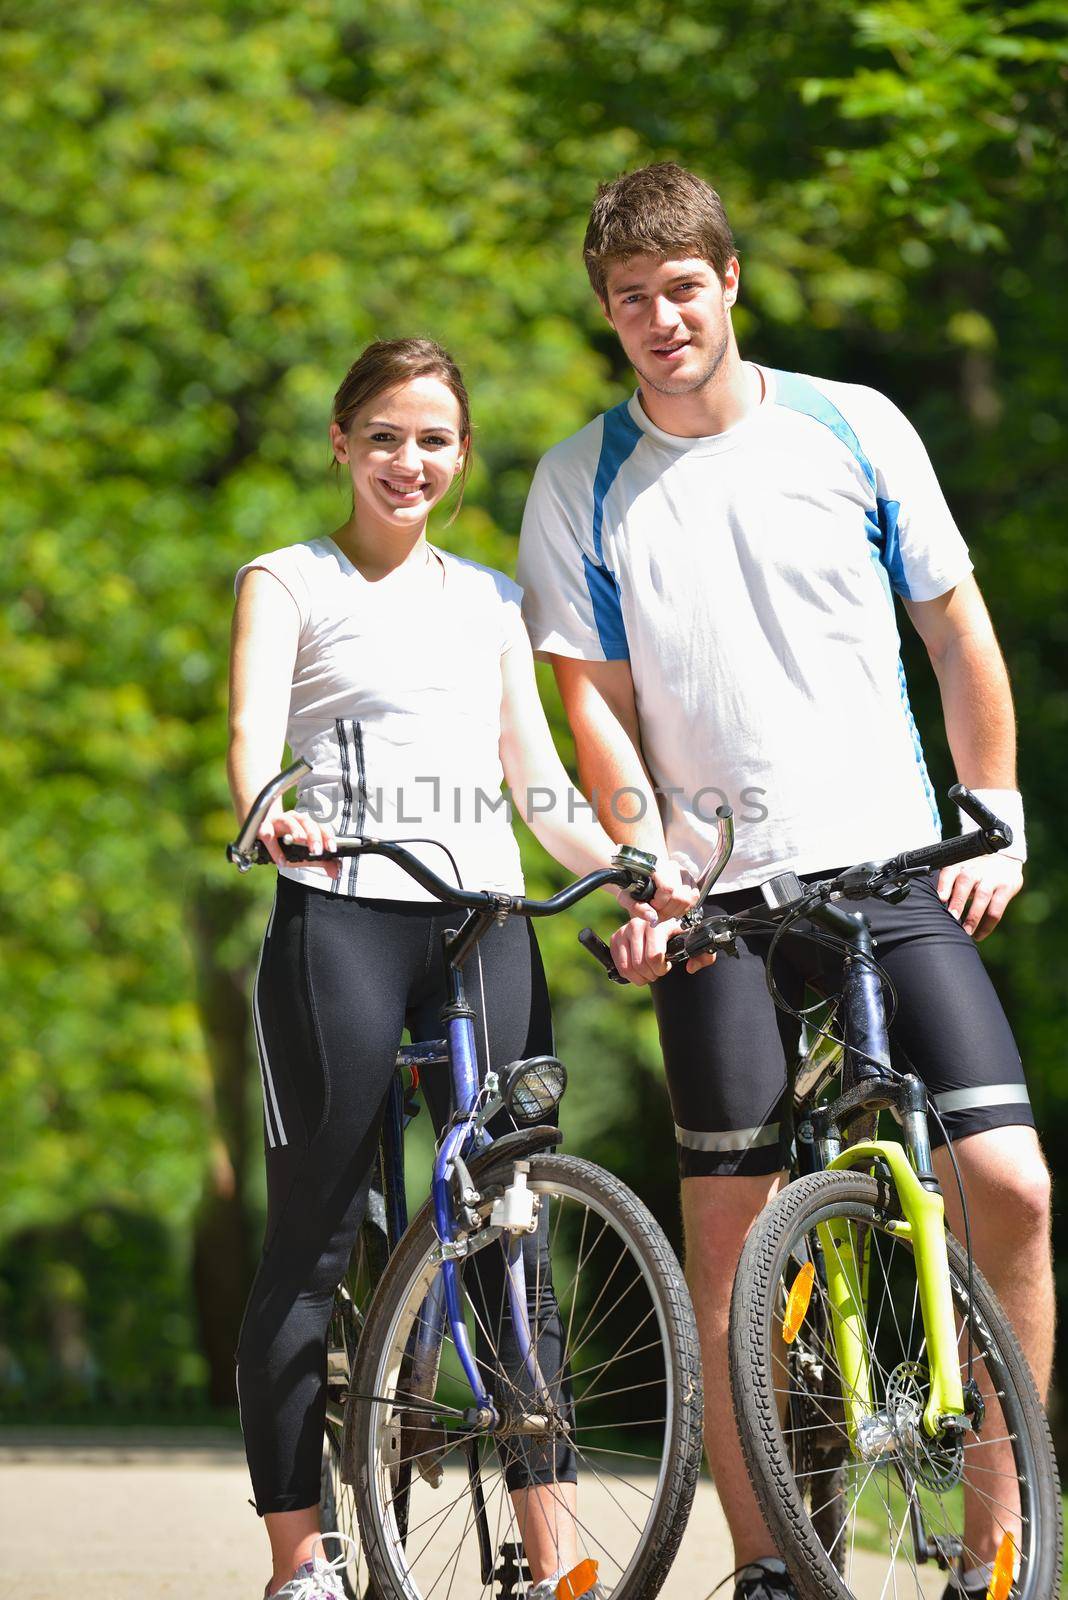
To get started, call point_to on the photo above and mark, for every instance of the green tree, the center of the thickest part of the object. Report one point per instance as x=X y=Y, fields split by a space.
x=207 y=210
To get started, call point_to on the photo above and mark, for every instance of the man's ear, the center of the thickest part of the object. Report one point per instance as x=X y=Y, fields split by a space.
x=731 y=280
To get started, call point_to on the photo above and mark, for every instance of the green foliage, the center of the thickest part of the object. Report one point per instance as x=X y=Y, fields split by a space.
x=207 y=211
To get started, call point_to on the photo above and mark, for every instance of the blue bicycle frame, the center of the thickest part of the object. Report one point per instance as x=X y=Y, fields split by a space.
x=459 y=1141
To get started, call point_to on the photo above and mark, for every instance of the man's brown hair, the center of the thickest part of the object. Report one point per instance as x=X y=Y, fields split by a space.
x=661 y=210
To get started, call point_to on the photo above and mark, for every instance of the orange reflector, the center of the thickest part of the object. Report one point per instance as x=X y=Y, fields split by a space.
x=797 y=1304
x=1004 y=1562
x=579 y=1581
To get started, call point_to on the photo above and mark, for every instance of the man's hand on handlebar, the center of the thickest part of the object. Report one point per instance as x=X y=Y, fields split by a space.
x=303 y=829
x=977 y=892
x=638 y=950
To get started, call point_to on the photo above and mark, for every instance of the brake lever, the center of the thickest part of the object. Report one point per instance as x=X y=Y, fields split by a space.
x=893 y=892
x=723 y=939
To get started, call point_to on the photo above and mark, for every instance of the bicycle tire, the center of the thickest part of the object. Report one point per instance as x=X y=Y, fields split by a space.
x=563 y=1182
x=779 y=1238
x=337 y=1498
x=817 y=1454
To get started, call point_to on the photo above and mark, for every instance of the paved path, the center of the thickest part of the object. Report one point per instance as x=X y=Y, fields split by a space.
x=148 y=1519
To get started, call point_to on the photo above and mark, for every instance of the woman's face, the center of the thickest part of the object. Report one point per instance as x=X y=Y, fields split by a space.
x=403 y=451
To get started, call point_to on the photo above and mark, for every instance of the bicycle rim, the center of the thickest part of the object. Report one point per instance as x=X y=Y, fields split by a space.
x=913 y=1513
x=607 y=1340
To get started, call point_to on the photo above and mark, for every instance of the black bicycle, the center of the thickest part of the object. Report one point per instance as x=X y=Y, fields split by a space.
x=468 y=1386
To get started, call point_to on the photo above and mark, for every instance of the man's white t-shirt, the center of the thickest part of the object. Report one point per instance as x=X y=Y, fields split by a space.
x=749 y=578
x=396 y=703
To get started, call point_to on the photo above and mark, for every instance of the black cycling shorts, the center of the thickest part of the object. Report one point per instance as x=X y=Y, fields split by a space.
x=726 y=1046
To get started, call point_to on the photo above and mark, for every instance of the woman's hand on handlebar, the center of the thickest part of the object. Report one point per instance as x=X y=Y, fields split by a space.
x=303 y=829
x=674 y=892
x=673 y=896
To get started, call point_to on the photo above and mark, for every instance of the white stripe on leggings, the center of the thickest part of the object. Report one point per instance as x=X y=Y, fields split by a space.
x=270 y=1099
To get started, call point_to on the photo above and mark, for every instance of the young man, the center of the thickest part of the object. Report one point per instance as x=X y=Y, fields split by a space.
x=711 y=567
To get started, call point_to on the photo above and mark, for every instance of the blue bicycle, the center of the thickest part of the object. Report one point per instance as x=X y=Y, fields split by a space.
x=517 y=1367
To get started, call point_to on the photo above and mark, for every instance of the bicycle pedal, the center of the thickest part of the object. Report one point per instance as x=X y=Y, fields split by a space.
x=511 y=1570
x=578 y=1582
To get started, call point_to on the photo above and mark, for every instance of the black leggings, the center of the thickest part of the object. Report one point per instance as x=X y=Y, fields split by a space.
x=339 y=980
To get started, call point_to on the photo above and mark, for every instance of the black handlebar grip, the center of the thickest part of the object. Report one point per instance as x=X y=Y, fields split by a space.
x=643 y=890
x=974 y=808
x=600 y=952
x=948 y=852
x=297 y=852
x=260 y=856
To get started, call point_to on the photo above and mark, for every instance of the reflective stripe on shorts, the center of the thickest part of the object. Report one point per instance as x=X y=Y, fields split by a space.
x=991 y=1094
x=738 y=1139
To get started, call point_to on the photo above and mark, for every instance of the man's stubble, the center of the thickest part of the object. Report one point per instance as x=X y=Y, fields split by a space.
x=693 y=385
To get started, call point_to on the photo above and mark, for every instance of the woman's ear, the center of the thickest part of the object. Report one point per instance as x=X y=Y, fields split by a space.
x=339 y=442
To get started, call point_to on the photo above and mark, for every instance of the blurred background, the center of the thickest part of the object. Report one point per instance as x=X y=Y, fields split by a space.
x=207 y=210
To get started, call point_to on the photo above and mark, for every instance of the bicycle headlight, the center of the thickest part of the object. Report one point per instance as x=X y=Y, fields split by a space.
x=533 y=1088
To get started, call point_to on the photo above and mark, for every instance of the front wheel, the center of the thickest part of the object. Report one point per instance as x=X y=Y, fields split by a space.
x=879 y=1508
x=594 y=1459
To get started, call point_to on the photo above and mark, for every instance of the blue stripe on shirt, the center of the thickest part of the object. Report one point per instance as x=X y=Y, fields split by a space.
x=798 y=394
x=619 y=437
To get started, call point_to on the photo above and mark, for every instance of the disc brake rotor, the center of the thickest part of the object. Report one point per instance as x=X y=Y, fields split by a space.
x=935 y=1463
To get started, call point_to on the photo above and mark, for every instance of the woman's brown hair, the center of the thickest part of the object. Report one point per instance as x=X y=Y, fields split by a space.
x=388 y=363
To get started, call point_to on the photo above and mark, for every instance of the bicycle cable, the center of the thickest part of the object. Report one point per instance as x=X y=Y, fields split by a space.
x=404 y=843
x=828 y=941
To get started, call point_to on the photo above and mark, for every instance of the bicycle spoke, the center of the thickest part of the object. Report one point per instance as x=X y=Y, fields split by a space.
x=583 y=1336
x=632 y=1388
x=595 y=1427
x=626 y=1455
x=606 y=1364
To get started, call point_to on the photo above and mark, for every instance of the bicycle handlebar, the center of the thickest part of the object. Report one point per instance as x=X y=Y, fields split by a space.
x=992 y=835
x=631 y=869
x=855 y=883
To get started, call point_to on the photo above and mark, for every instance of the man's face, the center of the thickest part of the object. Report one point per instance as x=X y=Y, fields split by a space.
x=672 y=318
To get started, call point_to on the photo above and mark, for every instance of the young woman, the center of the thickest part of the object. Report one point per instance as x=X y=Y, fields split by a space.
x=404 y=675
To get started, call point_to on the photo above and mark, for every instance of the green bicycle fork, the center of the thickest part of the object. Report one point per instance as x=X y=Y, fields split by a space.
x=847 y=1287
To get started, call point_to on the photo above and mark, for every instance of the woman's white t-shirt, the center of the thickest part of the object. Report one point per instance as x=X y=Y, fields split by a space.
x=396 y=704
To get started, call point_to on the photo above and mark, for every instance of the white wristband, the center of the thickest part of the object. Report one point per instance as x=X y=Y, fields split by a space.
x=1007 y=806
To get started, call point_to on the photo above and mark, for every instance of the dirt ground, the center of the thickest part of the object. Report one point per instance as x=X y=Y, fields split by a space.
x=129 y=1518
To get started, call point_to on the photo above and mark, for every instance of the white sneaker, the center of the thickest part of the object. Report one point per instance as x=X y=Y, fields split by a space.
x=563 y=1589
x=549 y=1591
x=317 y=1579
